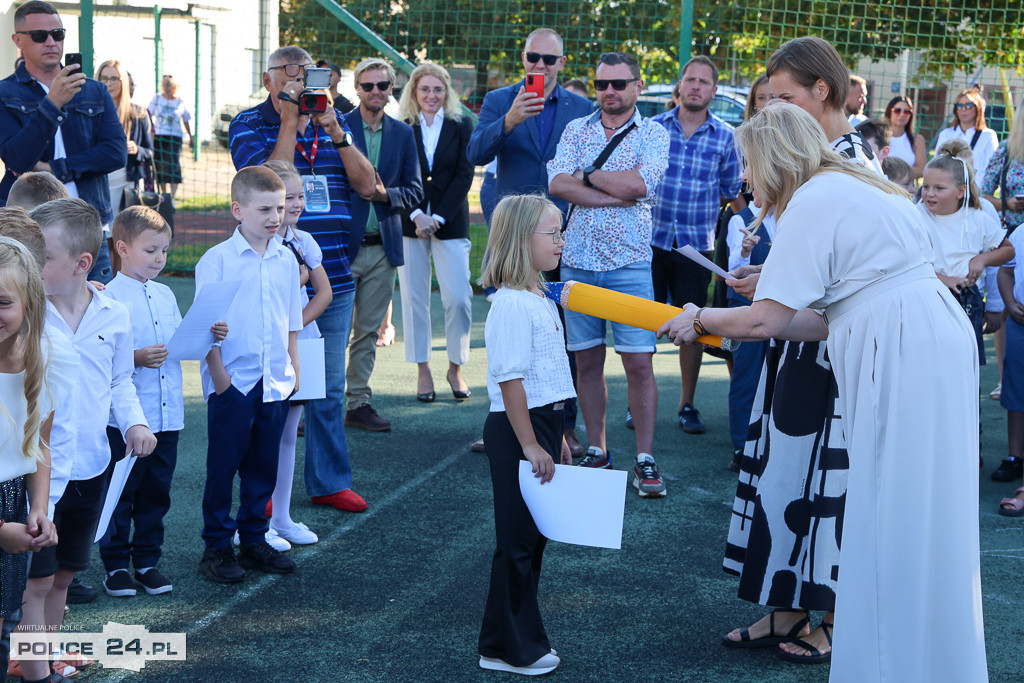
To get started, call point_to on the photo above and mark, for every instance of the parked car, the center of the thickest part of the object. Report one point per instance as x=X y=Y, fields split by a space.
x=728 y=104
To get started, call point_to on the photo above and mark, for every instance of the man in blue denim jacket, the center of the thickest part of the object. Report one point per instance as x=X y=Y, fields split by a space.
x=54 y=119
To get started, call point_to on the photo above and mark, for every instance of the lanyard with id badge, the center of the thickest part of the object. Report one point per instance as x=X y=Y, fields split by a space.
x=314 y=187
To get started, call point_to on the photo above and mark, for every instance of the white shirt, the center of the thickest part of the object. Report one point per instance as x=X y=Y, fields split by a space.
x=313 y=257
x=855 y=119
x=61 y=375
x=58 y=148
x=431 y=136
x=78 y=440
x=266 y=308
x=837 y=236
x=168 y=115
x=983 y=150
x=959 y=237
x=734 y=238
x=523 y=335
x=1016 y=239
x=154 y=313
x=901 y=148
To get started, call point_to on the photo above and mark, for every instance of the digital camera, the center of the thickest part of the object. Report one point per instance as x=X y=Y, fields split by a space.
x=312 y=99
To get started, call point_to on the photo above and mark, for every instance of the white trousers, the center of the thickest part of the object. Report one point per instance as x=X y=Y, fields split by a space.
x=451 y=261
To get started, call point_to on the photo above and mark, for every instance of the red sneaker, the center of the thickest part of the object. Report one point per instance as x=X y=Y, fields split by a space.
x=347 y=500
x=269 y=510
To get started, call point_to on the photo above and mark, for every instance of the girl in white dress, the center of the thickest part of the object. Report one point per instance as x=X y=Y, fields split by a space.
x=36 y=373
x=853 y=245
x=283 y=530
x=528 y=381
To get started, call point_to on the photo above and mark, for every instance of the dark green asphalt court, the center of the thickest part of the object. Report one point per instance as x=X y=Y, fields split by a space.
x=397 y=593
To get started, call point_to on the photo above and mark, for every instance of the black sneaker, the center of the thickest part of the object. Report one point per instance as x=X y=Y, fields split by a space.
x=596 y=459
x=153 y=581
x=220 y=566
x=119 y=584
x=629 y=419
x=263 y=557
x=80 y=593
x=365 y=417
x=1010 y=469
x=689 y=420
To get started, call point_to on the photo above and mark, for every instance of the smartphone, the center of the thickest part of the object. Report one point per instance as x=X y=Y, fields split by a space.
x=317 y=79
x=73 y=58
x=535 y=84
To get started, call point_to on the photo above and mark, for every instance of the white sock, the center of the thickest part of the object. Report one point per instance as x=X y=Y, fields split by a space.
x=640 y=457
x=143 y=570
x=595 y=450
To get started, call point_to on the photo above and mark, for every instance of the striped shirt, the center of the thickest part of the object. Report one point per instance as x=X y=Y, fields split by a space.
x=702 y=169
x=252 y=137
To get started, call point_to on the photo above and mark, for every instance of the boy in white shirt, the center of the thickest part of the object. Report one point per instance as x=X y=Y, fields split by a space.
x=141 y=239
x=248 y=379
x=101 y=333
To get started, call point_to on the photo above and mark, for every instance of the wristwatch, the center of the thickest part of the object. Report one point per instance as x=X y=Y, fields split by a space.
x=586 y=175
x=697 y=326
x=345 y=141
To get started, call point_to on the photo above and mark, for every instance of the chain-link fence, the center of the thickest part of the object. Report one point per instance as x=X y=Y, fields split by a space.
x=927 y=50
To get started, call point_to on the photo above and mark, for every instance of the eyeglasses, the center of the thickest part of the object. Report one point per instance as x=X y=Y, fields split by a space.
x=534 y=57
x=39 y=36
x=292 y=70
x=380 y=85
x=556 y=235
x=900 y=112
x=424 y=90
x=618 y=83
x=110 y=79
x=959 y=106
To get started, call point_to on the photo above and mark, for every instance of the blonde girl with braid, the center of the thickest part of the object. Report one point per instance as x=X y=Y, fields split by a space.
x=36 y=373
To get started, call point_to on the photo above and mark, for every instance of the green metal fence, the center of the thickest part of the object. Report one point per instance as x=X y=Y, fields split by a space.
x=926 y=49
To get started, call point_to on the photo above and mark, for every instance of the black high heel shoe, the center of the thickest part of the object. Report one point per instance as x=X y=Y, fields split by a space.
x=459 y=395
x=426 y=398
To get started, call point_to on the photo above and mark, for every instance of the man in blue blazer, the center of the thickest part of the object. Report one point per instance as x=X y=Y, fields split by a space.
x=522 y=130
x=375 y=239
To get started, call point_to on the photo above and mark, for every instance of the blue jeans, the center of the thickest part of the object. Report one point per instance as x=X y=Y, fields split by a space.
x=747 y=361
x=102 y=270
x=327 y=467
x=488 y=200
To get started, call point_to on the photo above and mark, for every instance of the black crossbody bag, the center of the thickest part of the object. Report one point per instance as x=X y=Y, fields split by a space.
x=599 y=162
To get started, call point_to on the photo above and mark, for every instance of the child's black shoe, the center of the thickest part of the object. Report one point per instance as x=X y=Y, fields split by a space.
x=263 y=557
x=219 y=565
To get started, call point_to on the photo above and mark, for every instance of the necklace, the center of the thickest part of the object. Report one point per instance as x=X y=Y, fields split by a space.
x=612 y=127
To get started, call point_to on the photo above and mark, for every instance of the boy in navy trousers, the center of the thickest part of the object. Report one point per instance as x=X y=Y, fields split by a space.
x=248 y=378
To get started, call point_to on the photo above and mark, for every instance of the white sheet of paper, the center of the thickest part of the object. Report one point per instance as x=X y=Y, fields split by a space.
x=193 y=338
x=579 y=505
x=118 y=479
x=694 y=255
x=312 y=377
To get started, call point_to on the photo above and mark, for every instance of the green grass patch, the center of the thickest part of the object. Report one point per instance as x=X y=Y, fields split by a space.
x=204 y=202
x=183 y=258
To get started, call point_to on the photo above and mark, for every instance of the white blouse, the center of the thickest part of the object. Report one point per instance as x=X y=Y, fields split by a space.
x=983 y=149
x=524 y=340
x=959 y=237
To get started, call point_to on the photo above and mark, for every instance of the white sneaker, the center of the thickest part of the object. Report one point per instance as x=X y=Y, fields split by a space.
x=298 y=534
x=276 y=542
x=545 y=664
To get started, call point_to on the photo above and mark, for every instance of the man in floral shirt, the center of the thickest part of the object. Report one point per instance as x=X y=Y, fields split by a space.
x=607 y=243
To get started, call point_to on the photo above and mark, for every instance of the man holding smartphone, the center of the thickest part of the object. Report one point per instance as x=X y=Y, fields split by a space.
x=56 y=120
x=521 y=131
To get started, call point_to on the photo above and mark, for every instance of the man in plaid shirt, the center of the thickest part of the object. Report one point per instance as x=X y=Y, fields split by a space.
x=704 y=167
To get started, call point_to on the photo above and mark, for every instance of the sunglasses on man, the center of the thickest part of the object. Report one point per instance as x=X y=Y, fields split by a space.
x=619 y=84
x=39 y=35
x=380 y=85
x=534 y=57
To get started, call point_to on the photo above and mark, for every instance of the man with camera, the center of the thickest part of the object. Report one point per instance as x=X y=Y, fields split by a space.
x=320 y=146
x=375 y=241
x=56 y=120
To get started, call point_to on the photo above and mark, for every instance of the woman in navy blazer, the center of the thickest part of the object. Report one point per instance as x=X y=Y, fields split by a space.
x=438 y=227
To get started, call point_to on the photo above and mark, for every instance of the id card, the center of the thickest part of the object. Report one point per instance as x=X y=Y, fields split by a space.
x=314 y=191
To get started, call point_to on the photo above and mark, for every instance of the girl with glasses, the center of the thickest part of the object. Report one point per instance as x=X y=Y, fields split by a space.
x=904 y=143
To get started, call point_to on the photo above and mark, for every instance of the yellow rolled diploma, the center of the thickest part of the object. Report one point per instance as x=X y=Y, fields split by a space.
x=622 y=308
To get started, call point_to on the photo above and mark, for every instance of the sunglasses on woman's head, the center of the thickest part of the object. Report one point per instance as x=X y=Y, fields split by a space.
x=381 y=85
x=618 y=83
x=39 y=36
x=534 y=57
